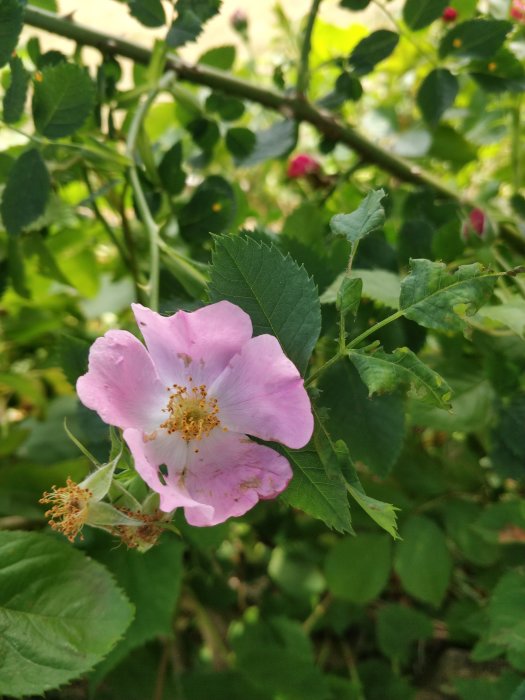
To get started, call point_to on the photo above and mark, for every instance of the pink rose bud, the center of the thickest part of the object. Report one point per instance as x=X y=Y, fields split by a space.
x=239 y=21
x=302 y=165
x=477 y=223
x=450 y=14
x=517 y=10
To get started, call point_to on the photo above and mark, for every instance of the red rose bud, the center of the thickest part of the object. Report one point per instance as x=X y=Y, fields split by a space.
x=450 y=14
x=517 y=10
x=239 y=21
x=302 y=165
x=477 y=226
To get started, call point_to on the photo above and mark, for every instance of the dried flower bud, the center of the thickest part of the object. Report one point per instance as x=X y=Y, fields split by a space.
x=450 y=14
x=70 y=508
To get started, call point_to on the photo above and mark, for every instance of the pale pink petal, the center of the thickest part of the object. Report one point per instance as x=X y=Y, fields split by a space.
x=207 y=338
x=170 y=453
x=214 y=479
x=121 y=383
x=231 y=473
x=262 y=393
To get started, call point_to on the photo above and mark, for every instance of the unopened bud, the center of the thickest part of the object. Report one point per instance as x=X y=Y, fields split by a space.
x=450 y=14
x=239 y=21
x=517 y=10
x=302 y=165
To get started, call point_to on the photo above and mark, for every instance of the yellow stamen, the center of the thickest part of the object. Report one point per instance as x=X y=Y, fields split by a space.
x=191 y=412
x=70 y=508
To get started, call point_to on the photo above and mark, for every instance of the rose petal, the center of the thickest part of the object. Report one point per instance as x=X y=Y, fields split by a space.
x=231 y=473
x=214 y=479
x=208 y=337
x=261 y=393
x=121 y=384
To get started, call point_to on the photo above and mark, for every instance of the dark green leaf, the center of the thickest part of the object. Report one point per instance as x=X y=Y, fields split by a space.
x=354 y=4
x=450 y=145
x=420 y=13
x=240 y=142
x=191 y=16
x=73 y=353
x=152 y=580
x=15 y=95
x=62 y=100
x=475 y=38
x=171 y=174
x=275 y=142
x=228 y=108
x=314 y=492
x=279 y=296
x=372 y=50
x=11 y=13
x=211 y=209
x=204 y=132
x=368 y=217
x=436 y=94
x=422 y=560
x=60 y=613
x=349 y=296
x=26 y=192
x=150 y=13
x=358 y=568
x=385 y=372
x=508 y=439
x=398 y=628
x=372 y=428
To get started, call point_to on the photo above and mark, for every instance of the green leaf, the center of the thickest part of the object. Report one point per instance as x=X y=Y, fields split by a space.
x=420 y=13
x=191 y=16
x=62 y=100
x=313 y=491
x=398 y=628
x=275 y=142
x=26 y=192
x=354 y=4
x=60 y=613
x=384 y=514
x=11 y=20
x=152 y=580
x=436 y=94
x=372 y=50
x=511 y=313
x=381 y=286
x=228 y=108
x=171 y=173
x=279 y=296
x=368 y=217
x=372 y=428
x=357 y=569
x=240 y=142
x=506 y=625
x=150 y=13
x=431 y=295
x=221 y=57
x=475 y=38
x=384 y=372
x=349 y=296
x=15 y=95
x=211 y=209
x=422 y=560
x=73 y=353
x=508 y=439
x=519 y=693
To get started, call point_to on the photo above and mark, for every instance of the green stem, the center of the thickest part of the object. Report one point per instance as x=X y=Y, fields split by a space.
x=140 y=197
x=516 y=144
x=303 y=75
x=316 y=373
x=296 y=107
x=356 y=341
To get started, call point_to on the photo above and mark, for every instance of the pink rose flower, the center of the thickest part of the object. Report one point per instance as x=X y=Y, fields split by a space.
x=301 y=165
x=188 y=401
x=517 y=10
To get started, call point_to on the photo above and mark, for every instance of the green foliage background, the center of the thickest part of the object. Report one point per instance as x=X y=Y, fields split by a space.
x=392 y=566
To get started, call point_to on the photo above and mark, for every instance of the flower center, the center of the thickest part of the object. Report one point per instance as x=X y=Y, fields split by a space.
x=191 y=412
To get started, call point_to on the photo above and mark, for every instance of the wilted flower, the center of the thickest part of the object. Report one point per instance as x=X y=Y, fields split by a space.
x=69 y=508
x=302 y=165
x=517 y=10
x=187 y=403
x=450 y=14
